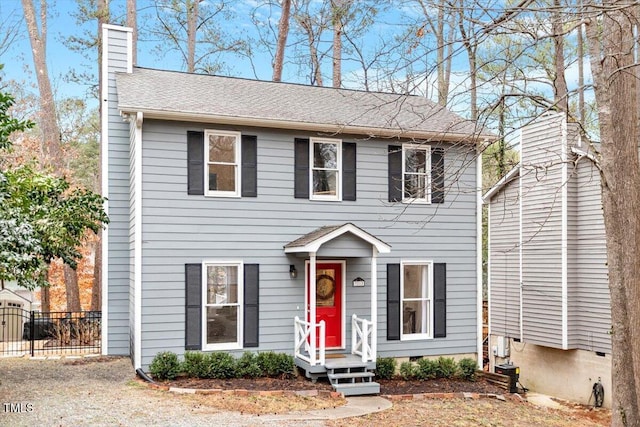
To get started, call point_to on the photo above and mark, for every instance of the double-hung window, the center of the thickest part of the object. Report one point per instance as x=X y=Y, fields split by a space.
x=416 y=294
x=326 y=155
x=222 y=160
x=222 y=306
x=416 y=176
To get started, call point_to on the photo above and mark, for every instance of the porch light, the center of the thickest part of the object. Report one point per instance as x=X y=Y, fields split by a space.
x=293 y=273
x=358 y=282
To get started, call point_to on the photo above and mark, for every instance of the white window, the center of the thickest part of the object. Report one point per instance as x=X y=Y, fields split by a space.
x=416 y=173
x=222 y=161
x=222 y=306
x=326 y=164
x=416 y=294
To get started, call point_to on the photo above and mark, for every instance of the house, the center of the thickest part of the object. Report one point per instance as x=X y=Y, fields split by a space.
x=226 y=195
x=549 y=310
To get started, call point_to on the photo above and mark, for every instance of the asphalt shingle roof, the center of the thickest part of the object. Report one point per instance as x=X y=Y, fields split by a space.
x=159 y=93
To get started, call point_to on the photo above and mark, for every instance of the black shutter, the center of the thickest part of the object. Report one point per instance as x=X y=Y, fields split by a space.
x=395 y=173
x=195 y=163
x=251 y=303
x=348 y=171
x=301 y=166
x=193 y=306
x=440 y=300
x=249 y=166
x=437 y=175
x=393 y=302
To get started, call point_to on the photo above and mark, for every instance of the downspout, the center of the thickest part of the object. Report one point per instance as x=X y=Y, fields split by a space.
x=479 y=255
x=137 y=255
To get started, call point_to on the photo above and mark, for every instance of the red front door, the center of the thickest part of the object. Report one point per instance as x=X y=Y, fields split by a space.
x=328 y=301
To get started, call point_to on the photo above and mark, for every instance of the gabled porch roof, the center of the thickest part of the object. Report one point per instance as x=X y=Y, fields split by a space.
x=311 y=242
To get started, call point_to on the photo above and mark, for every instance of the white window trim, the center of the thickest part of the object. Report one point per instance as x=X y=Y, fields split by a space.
x=238 y=163
x=418 y=200
x=338 y=196
x=429 y=334
x=231 y=345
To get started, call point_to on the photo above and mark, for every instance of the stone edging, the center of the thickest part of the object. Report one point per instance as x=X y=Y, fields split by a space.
x=334 y=394
x=240 y=392
x=469 y=396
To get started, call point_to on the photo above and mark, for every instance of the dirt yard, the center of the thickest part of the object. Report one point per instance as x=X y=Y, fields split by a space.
x=104 y=392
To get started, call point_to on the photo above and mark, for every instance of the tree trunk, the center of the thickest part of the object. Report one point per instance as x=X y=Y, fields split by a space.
x=132 y=22
x=71 y=288
x=580 y=43
x=611 y=54
x=192 y=27
x=45 y=300
x=337 y=12
x=560 y=91
x=283 y=33
x=48 y=122
x=96 y=287
x=305 y=23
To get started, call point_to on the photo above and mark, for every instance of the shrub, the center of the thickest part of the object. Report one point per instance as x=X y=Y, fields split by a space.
x=407 y=371
x=446 y=367
x=385 y=367
x=164 y=366
x=467 y=369
x=195 y=364
x=220 y=366
x=247 y=366
x=276 y=365
x=427 y=369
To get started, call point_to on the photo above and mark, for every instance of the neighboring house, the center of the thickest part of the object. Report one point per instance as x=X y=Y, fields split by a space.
x=226 y=194
x=549 y=304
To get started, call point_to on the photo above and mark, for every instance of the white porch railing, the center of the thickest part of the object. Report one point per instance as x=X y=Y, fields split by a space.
x=305 y=347
x=362 y=339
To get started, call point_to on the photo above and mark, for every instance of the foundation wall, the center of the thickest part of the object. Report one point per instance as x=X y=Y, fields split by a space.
x=566 y=374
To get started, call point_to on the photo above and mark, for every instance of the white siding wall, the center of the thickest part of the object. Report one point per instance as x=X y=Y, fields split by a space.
x=504 y=254
x=593 y=325
x=542 y=232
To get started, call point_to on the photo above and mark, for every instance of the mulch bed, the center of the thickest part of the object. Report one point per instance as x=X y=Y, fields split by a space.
x=387 y=387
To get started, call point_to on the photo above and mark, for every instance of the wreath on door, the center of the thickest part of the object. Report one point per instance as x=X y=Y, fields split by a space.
x=325 y=286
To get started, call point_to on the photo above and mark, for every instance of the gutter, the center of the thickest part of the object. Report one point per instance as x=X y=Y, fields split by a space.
x=326 y=128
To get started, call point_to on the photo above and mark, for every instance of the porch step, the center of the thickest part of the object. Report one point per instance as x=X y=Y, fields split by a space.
x=350 y=375
x=355 y=389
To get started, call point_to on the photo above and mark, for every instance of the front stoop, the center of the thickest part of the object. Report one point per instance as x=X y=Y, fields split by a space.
x=351 y=377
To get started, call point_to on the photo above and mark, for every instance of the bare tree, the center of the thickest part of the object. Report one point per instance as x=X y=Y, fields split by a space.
x=560 y=91
x=132 y=22
x=51 y=147
x=283 y=33
x=193 y=29
x=610 y=35
x=339 y=9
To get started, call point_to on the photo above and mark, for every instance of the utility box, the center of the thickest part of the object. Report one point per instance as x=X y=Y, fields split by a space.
x=502 y=346
x=513 y=372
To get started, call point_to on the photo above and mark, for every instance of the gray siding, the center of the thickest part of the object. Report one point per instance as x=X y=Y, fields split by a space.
x=542 y=232
x=179 y=229
x=591 y=288
x=118 y=176
x=504 y=255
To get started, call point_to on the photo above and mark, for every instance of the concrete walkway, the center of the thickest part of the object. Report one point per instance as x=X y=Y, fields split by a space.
x=355 y=407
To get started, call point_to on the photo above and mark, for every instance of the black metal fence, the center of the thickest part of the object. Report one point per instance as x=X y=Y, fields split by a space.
x=49 y=333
